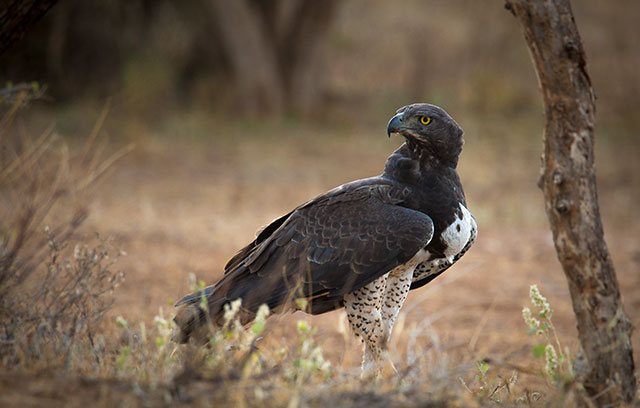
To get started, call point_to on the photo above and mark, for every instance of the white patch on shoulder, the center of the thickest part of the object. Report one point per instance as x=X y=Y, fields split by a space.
x=458 y=233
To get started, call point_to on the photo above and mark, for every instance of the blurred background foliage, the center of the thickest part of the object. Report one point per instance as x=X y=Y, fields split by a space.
x=241 y=109
x=329 y=60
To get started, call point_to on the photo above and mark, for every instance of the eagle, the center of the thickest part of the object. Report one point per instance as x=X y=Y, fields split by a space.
x=362 y=246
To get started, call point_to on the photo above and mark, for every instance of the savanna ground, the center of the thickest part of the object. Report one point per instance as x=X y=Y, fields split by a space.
x=182 y=206
x=198 y=180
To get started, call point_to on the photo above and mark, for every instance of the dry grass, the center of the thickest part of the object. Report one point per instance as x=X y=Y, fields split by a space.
x=182 y=206
x=54 y=288
x=197 y=187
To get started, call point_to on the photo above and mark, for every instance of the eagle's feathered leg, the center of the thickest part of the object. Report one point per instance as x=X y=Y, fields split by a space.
x=364 y=312
x=395 y=293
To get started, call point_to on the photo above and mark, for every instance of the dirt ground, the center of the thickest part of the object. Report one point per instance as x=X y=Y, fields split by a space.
x=205 y=174
x=179 y=206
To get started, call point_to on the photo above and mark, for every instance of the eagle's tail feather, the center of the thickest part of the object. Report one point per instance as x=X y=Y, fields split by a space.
x=193 y=318
x=192 y=322
x=195 y=297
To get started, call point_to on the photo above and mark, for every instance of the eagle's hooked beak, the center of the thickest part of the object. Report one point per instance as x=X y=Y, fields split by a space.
x=395 y=124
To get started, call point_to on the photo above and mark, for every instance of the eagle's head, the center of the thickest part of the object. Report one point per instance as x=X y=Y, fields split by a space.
x=429 y=128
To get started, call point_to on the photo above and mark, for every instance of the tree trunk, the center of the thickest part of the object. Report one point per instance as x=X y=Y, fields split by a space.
x=17 y=17
x=274 y=48
x=301 y=53
x=252 y=56
x=569 y=185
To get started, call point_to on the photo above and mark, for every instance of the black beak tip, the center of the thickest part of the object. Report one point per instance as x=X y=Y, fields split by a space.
x=395 y=124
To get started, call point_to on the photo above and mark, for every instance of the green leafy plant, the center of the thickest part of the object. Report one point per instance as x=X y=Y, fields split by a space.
x=558 y=367
x=309 y=360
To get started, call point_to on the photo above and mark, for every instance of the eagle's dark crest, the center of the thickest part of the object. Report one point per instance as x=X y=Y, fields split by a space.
x=362 y=245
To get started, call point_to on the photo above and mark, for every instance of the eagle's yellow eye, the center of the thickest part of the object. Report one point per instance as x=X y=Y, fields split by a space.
x=425 y=120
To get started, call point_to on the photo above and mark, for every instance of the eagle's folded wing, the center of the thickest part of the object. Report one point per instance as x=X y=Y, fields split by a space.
x=326 y=248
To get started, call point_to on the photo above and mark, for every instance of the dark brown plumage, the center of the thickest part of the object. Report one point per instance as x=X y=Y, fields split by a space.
x=359 y=244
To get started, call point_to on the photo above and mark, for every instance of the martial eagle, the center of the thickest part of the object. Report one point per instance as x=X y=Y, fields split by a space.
x=361 y=246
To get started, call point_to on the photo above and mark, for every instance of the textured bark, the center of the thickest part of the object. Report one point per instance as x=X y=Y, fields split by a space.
x=569 y=185
x=17 y=17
